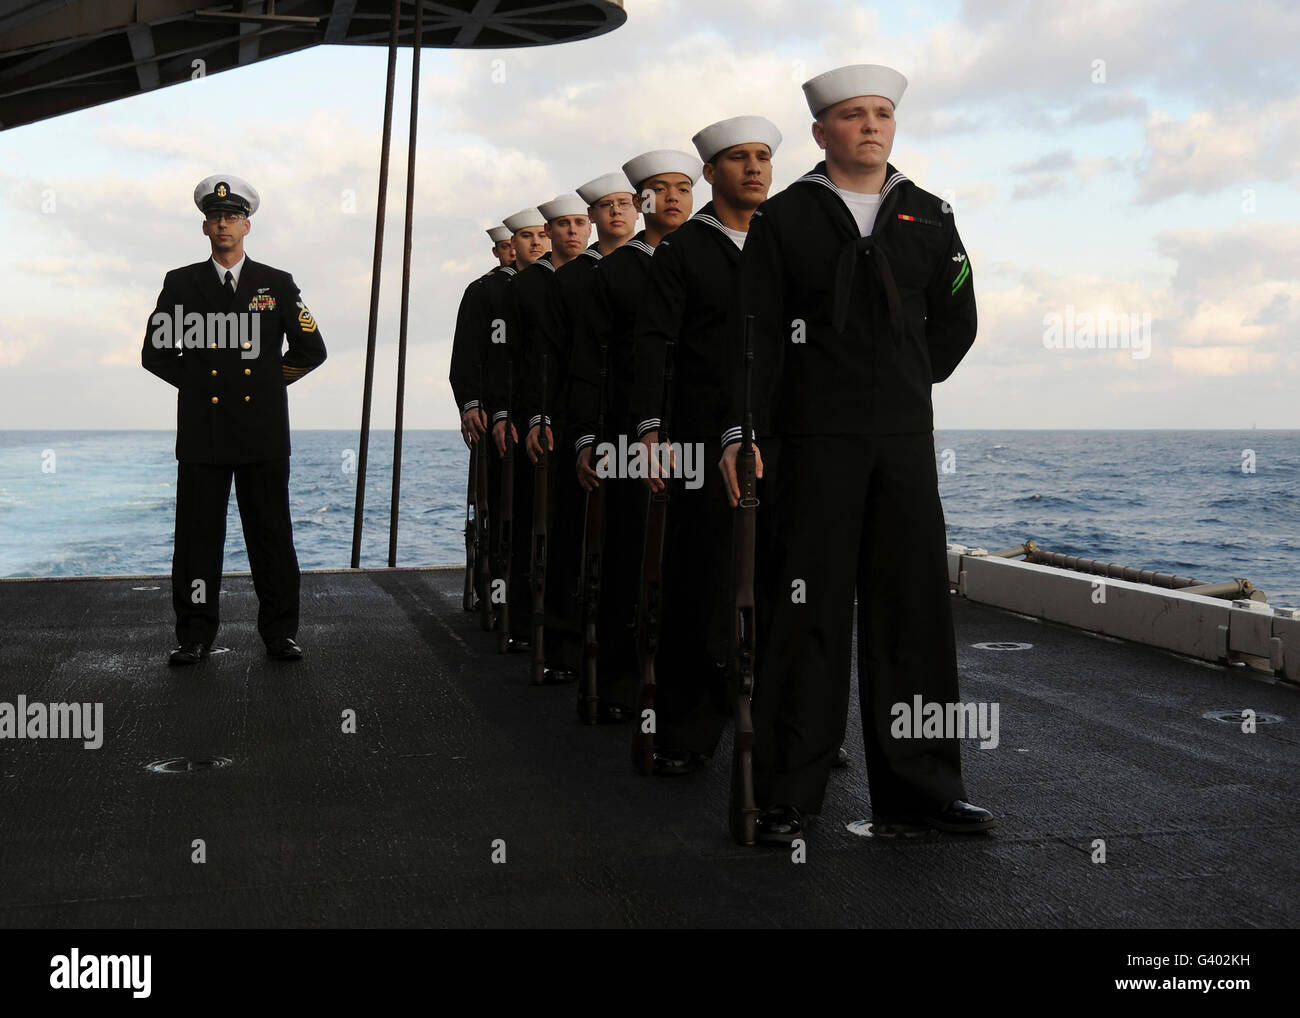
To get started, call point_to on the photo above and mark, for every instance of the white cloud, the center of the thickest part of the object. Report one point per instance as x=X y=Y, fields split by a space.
x=1229 y=147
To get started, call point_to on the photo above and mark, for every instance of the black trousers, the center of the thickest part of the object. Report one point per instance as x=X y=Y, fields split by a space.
x=202 y=497
x=492 y=511
x=616 y=664
x=564 y=532
x=690 y=667
x=846 y=515
x=518 y=591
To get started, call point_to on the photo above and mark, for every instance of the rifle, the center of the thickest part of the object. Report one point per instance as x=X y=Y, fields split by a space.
x=593 y=541
x=471 y=549
x=483 y=522
x=650 y=602
x=540 y=496
x=742 y=811
x=505 y=536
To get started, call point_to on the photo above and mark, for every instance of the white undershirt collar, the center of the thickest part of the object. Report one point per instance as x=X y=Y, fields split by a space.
x=234 y=270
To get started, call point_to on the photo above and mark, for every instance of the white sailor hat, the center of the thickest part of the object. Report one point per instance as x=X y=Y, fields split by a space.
x=721 y=136
x=611 y=183
x=498 y=234
x=835 y=86
x=662 y=160
x=523 y=219
x=564 y=205
x=224 y=192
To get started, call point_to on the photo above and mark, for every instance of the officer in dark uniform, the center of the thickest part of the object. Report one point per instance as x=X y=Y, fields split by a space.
x=686 y=304
x=862 y=297
x=216 y=335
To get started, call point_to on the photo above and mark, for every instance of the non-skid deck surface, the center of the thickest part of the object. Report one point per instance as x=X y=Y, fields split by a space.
x=455 y=753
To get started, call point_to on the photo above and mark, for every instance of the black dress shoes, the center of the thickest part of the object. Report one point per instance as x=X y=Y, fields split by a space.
x=959 y=818
x=841 y=757
x=672 y=763
x=558 y=676
x=284 y=649
x=188 y=654
x=779 y=825
x=518 y=644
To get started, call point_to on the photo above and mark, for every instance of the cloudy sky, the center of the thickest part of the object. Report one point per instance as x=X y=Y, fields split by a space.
x=1103 y=159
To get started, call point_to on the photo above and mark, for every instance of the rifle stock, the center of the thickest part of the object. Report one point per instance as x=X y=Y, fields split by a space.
x=650 y=602
x=505 y=538
x=538 y=577
x=742 y=810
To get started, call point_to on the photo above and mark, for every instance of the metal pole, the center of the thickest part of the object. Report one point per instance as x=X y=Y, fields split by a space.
x=406 y=283
x=364 y=443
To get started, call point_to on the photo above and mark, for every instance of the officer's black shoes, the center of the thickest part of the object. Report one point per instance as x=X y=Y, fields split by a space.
x=284 y=648
x=558 y=676
x=959 y=818
x=841 y=757
x=518 y=644
x=779 y=825
x=188 y=654
x=609 y=712
x=673 y=763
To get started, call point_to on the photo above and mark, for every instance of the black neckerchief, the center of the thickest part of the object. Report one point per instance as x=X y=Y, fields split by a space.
x=853 y=243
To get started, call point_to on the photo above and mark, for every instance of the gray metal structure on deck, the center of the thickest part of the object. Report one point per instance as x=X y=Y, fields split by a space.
x=1235 y=626
x=57 y=56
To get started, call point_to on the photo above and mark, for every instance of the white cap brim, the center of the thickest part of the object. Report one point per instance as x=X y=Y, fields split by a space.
x=237 y=188
x=523 y=219
x=610 y=183
x=564 y=205
x=664 y=160
x=724 y=134
x=835 y=86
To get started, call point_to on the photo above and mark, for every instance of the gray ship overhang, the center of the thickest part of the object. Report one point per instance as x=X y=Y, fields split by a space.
x=57 y=56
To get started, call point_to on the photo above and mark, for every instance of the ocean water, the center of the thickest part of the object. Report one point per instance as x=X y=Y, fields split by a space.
x=102 y=502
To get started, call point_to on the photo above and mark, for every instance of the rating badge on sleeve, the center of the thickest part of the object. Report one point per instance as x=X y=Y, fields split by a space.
x=305 y=321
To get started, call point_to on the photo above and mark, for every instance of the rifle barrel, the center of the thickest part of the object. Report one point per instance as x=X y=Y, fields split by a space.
x=742 y=808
